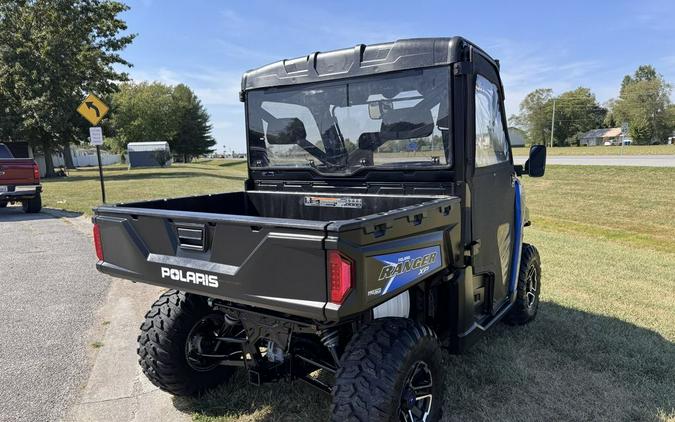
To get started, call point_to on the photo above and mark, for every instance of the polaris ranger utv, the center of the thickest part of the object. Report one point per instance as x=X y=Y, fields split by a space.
x=382 y=220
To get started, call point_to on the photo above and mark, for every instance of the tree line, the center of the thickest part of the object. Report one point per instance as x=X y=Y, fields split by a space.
x=158 y=112
x=643 y=105
x=54 y=52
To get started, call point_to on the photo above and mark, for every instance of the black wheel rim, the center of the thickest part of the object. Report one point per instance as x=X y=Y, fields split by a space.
x=417 y=394
x=203 y=351
x=531 y=286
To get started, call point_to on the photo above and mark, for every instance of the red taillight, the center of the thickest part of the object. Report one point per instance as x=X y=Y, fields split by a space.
x=97 y=242
x=340 y=276
x=36 y=172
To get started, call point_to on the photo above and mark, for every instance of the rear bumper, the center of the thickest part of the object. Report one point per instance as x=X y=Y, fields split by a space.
x=21 y=193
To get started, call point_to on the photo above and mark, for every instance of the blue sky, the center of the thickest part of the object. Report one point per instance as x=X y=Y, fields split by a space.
x=209 y=44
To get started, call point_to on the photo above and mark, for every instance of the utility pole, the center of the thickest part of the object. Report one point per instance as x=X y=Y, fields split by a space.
x=552 y=122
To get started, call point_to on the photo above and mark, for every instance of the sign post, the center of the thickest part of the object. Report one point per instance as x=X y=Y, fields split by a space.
x=96 y=138
x=93 y=109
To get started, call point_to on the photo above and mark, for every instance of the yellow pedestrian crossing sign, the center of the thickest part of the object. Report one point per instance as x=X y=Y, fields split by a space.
x=93 y=109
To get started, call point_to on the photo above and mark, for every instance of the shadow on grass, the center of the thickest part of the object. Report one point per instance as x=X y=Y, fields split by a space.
x=15 y=213
x=565 y=365
x=231 y=163
x=146 y=176
x=240 y=401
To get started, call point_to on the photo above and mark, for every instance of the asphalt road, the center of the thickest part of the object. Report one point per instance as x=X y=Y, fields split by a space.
x=608 y=160
x=50 y=291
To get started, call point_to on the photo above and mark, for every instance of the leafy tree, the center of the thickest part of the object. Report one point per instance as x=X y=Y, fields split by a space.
x=610 y=118
x=642 y=73
x=535 y=115
x=576 y=111
x=644 y=103
x=52 y=52
x=142 y=112
x=157 y=112
x=193 y=135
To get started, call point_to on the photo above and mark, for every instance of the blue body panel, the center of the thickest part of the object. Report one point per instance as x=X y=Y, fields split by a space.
x=517 y=238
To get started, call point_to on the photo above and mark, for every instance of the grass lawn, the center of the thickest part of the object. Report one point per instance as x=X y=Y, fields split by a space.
x=601 y=348
x=603 y=150
x=81 y=190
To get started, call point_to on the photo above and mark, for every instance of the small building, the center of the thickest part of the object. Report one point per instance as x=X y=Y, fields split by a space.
x=597 y=137
x=517 y=137
x=148 y=154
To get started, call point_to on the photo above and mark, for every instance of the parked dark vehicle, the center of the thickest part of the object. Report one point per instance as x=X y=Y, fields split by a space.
x=19 y=181
x=381 y=222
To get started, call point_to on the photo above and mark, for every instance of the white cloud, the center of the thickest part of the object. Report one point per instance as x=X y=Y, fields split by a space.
x=163 y=75
x=219 y=92
x=213 y=87
x=248 y=54
x=525 y=67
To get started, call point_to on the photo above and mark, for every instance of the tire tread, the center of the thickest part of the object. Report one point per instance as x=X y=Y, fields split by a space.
x=160 y=349
x=370 y=368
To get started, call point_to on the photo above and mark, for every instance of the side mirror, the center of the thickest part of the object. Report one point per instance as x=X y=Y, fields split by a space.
x=535 y=166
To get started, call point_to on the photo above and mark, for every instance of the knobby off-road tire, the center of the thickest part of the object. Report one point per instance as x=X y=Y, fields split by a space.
x=162 y=345
x=373 y=381
x=32 y=205
x=529 y=286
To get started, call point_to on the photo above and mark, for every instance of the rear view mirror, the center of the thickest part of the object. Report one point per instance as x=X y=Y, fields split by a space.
x=535 y=166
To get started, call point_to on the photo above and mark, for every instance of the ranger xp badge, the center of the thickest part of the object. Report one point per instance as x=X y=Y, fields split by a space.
x=403 y=268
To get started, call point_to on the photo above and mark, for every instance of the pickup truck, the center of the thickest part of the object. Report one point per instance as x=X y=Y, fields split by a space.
x=19 y=181
x=381 y=222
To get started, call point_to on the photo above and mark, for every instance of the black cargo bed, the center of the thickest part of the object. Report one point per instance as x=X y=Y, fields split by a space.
x=287 y=205
x=267 y=249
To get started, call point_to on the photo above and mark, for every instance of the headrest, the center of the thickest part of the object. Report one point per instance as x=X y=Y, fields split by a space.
x=369 y=141
x=406 y=123
x=285 y=131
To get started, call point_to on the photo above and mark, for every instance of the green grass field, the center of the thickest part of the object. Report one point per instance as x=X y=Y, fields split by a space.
x=603 y=150
x=601 y=348
x=81 y=190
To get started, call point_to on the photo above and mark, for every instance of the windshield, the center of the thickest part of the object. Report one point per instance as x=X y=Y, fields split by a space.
x=397 y=120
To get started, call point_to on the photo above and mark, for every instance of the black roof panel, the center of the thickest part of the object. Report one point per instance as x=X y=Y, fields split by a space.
x=358 y=61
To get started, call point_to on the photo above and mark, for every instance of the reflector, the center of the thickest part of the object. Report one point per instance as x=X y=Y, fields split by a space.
x=97 y=242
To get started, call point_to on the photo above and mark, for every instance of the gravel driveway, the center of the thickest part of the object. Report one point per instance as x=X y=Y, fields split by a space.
x=50 y=291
